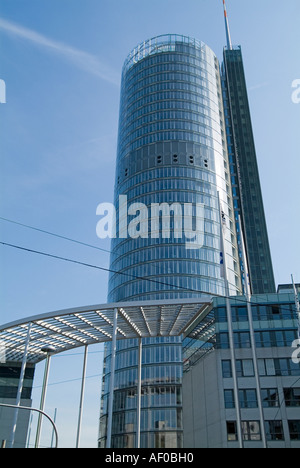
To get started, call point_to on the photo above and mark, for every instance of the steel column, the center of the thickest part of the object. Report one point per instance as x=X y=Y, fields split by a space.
x=112 y=379
x=81 y=396
x=230 y=331
x=252 y=337
x=20 y=389
x=43 y=398
x=139 y=396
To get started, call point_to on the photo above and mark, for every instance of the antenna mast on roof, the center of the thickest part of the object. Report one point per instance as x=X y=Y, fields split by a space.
x=229 y=43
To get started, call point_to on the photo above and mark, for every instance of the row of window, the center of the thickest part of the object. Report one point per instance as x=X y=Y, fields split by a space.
x=265 y=339
x=162 y=268
x=164 y=119
x=10 y=392
x=270 y=398
x=171 y=100
x=206 y=136
x=171 y=173
x=151 y=375
x=159 y=419
x=131 y=245
x=273 y=312
x=13 y=372
x=151 y=355
x=157 y=439
x=159 y=136
x=266 y=368
x=251 y=430
x=206 y=209
x=193 y=82
x=171 y=63
x=145 y=163
x=164 y=252
x=200 y=59
x=136 y=288
x=152 y=397
x=187 y=108
x=191 y=159
x=168 y=90
x=133 y=343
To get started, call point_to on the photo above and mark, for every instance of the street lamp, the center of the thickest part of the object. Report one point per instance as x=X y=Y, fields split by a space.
x=49 y=350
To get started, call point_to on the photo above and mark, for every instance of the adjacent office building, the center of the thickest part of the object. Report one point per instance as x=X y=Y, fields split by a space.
x=267 y=410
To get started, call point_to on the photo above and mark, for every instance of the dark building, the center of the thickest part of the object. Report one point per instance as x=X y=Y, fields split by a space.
x=9 y=381
x=247 y=194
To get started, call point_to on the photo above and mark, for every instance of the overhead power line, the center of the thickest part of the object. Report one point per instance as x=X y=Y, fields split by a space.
x=49 y=233
x=109 y=270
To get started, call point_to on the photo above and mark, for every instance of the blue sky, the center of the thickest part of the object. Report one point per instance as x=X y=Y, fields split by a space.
x=61 y=61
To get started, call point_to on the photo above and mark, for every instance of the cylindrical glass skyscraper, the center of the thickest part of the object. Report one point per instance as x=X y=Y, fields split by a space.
x=172 y=154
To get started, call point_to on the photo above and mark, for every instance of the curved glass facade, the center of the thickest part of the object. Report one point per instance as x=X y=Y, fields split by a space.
x=171 y=151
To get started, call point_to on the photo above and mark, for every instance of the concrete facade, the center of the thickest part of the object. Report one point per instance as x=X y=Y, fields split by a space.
x=209 y=408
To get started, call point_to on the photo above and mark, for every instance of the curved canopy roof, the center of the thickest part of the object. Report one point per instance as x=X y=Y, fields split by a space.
x=72 y=328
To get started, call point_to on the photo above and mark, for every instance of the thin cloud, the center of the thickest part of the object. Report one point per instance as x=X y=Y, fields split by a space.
x=258 y=86
x=83 y=60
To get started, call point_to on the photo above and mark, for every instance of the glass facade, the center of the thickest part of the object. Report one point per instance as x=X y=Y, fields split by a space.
x=275 y=326
x=248 y=201
x=172 y=150
x=9 y=382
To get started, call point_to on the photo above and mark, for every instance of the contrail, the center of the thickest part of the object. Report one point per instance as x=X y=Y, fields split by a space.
x=83 y=60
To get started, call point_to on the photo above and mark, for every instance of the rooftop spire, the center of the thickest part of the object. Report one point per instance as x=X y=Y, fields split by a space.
x=229 y=43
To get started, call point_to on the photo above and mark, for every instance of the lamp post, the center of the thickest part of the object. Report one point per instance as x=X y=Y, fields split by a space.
x=20 y=389
x=49 y=350
x=26 y=408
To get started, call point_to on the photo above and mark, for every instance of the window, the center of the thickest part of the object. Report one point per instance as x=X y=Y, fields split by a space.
x=273 y=312
x=226 y=369
x=248 y=398
x=294 y=427
x=229 y=399
x=251 y=430
x=221 y=315
x=274 y=430
x=239 y=314
x=280 y=338
x=286 y=367
x=263 y=339
x=242 y=340
x=223 y=341
x=292 y=397
x=231 y=431
x=266 y=367
x=270 y=397
x=245 y=368
x=11 y=392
